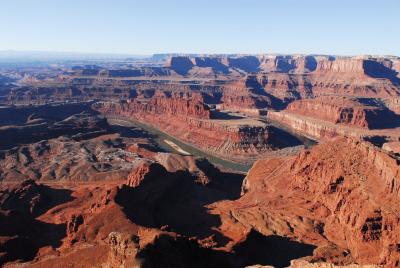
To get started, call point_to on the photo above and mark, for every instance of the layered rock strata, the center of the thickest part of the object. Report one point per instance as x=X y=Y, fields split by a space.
x=342 y=111
x=342 y=196
x=328 y=117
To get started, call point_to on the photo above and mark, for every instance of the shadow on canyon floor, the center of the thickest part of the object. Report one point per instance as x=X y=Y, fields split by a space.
x=177 y=202
x=224 y=116
x=135 y=132
x=129 y=132
x=23 y=234
x=283 y=139
x=20 y=200
x=274 y=250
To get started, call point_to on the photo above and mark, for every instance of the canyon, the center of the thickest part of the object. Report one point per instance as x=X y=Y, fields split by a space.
x=196 y=160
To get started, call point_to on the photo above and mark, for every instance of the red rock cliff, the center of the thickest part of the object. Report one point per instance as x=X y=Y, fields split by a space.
x=339 y=111
x=342 y=196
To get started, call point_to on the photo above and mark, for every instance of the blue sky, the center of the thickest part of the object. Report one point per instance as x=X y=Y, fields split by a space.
x=345 y=27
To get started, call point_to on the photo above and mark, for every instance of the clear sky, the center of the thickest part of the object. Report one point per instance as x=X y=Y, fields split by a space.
x=345 y=27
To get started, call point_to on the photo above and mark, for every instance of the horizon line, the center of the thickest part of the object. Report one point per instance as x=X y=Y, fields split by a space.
x=3 y=52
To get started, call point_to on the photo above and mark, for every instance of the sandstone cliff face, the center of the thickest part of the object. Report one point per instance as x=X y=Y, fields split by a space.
x=288 y=63
x=341 y=111
x=342 y=196
x=285 y=63
x=328 y=117
x=179 y=104
x=245 y=95
x=144 y=173
x=393 y=147
x=314 y=129
x=223 y=138
x=341 y=65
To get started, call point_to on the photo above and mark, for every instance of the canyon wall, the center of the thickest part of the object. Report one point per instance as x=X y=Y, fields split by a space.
x=311 y=128
x=294 y=76
x=341 y=195
x=340 y=110
x=328 y=117
x=369 y=65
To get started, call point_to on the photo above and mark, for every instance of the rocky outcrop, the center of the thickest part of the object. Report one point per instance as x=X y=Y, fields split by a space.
x=341 y=196
x=247 y=96
x=27 y=197
x=123 y=250
x=145 y=172
x=218 y=65
x=288 y=63
x=291 y=76
x=393 y=147
x=161 y=222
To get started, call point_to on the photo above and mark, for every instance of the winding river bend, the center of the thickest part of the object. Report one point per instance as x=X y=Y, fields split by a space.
x=162 y=138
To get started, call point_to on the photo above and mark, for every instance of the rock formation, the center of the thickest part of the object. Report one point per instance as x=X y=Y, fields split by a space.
x=393 y=147
x=342 y=196
x=343 y=111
